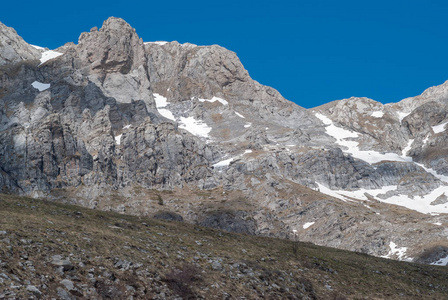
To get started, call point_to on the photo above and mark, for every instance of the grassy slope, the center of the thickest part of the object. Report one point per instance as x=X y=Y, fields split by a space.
x=118 y=256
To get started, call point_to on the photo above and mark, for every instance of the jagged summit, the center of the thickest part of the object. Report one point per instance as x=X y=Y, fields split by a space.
x=13 y=48
x=118 y=124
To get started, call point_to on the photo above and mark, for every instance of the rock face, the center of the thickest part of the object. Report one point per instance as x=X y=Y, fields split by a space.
x=118 y=124
x=13 y=48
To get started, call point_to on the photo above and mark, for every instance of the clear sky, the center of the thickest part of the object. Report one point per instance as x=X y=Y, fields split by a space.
x=311 y=51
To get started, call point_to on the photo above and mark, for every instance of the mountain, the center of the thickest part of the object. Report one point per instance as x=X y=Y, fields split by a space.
x=53 y=250
x=115 y=123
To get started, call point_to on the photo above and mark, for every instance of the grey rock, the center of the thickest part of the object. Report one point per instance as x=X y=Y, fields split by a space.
x=97 y=134
x=13 y=49
x=65 y=264
x=67 y=283
x=63 y=294
x=33 y=289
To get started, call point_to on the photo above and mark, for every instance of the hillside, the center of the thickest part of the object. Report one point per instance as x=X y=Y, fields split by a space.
x=119 y=124
x=49 y=249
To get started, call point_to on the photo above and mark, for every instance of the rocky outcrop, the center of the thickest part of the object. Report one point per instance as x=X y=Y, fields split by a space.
x=13 y=49
x=115 y=123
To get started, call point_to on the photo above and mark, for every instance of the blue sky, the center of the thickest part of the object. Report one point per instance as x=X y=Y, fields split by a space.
x=311 y=51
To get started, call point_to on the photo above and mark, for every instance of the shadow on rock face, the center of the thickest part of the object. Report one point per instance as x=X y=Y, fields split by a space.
x=232 y=221
x=432 y=255
x=168 y=216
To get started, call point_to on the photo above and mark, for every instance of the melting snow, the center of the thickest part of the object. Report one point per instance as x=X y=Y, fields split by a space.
x=421 y=203
x=407 y=148
x=161 y=101
x=441 y=262
x=239 y=115
x=196 y=127
x=341 y=135
x=47 y=55
x=226 y=162
x=358 y=194
x=439 y=128
x=223 y=163
x=38 y=47
x=118 y=139
x=308 y=224
x=40 y=86
x=399 y=251
x=377 y=114
x=222 y=101
x=160 y=43
x=443 y=178
x=402 y=115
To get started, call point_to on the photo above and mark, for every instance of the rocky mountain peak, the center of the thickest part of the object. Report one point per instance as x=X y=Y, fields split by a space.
x=113 y=123
x=13 y=48
x=116 y=47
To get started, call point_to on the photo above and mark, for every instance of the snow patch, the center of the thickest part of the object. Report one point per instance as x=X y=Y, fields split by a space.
x=377 y=114
x=247 y=125
x=223 y=163
x=441 y=262
x=342 y=135
x=421 y=203
x=38 y=47
x=407 y=148
x=239 y=115
x=400 y=252
x=118 y=139
x=127 y=126
x=439 y=128
x=359 y=194
x=195 y=127
x=437 y=223
x=443 y=178
x=402 y=115
x=40 y=86
x=161 y=102
x=247 y=151
x=48 y=55
x=308 y=224
x=222 y=101
x=160 y=43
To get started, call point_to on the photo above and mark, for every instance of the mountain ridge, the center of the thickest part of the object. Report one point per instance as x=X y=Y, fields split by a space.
x=114 y=123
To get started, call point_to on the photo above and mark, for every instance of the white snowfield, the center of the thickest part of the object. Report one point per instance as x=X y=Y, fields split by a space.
x=195 y=127
x=344 y=138
x=377 y=114
x=40 y=86
x=220 y=100
x=402 y=115
x=418 y=203
x=400 y=252
x=162 y=102
x=226 y=162
x=160 y=43
x=308 y=224
x=118 y=139
x=439 y=128
x=239 y=115
x=441 y=262
x=223 y=163
x=47 y=55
